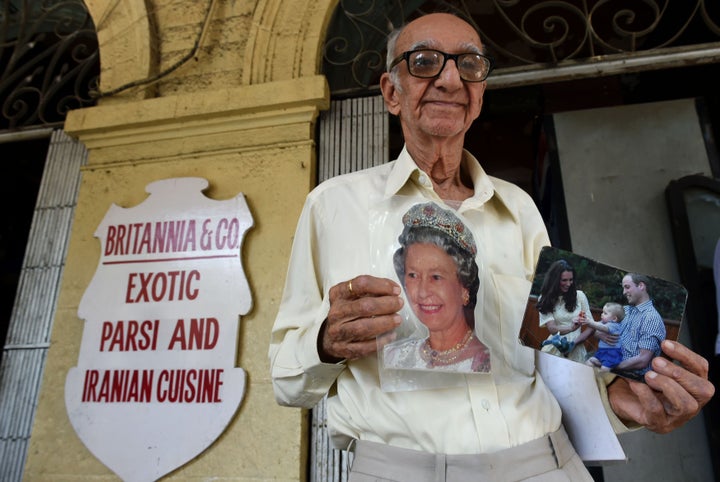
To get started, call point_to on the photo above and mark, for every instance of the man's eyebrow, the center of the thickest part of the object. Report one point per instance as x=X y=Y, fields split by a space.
x=431 y=44
x=424 y=44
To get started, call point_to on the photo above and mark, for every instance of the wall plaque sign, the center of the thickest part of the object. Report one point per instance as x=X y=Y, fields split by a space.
x=156 y=381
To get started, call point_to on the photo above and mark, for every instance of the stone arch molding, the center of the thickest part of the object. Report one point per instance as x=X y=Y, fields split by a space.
x=284 y=41
x=125 y=41
x=286 y=38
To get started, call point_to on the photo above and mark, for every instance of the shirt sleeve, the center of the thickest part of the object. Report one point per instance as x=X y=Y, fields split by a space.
x=652 y=333
x=299 y=378
x=545 y=318
x=603 y=380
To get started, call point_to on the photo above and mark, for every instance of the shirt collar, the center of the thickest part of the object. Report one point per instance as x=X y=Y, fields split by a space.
x=642 y=307
x=405 y=170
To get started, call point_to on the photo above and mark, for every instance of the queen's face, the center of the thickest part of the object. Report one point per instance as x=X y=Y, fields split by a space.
x=435 y=293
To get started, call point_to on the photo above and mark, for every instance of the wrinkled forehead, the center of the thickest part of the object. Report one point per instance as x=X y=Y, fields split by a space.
x=441 y=32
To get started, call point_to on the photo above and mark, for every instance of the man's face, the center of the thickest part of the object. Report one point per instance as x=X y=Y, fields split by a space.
x=442 y=106
x=632 y=292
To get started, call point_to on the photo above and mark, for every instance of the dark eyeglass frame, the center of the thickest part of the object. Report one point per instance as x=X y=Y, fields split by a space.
x=406 y=56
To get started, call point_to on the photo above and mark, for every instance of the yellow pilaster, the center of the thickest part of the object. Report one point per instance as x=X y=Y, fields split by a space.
x=258 y=140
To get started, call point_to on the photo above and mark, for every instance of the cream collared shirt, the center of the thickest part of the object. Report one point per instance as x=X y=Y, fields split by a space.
x=488 y=412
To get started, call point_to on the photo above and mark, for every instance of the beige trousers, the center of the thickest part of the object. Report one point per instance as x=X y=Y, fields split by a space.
x=548 y=459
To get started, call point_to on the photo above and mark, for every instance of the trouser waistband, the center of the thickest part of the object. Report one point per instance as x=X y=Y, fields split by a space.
x=516 y=463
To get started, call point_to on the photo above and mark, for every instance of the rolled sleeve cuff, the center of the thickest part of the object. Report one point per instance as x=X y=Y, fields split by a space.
x=603 y=380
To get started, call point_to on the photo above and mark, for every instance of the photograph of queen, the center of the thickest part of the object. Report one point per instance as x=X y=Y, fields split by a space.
x=436 y=266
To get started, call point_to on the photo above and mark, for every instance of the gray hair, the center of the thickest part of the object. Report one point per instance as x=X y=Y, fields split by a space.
x=391 y=42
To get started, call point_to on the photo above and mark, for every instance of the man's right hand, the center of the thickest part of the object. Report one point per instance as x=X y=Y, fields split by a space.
x=360 y=310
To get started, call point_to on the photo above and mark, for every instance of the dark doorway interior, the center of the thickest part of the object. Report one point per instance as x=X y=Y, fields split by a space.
x=22 y=168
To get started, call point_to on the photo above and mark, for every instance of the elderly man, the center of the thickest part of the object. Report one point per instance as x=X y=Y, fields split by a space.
x=504 y=425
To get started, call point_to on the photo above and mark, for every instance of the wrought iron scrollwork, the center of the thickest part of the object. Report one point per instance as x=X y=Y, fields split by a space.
x=521 y=33
x=50 y=59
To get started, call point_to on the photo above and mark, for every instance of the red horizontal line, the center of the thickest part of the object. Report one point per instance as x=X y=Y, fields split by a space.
x=160 y=260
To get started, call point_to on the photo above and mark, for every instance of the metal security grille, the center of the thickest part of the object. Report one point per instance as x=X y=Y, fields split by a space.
x=50 y=61
x=533 y=41
x=353 y=136
x=28 y=337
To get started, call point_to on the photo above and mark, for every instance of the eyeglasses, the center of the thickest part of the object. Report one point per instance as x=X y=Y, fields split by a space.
x=428 y=63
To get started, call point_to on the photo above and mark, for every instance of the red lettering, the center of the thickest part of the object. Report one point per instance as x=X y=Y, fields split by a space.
x=91 y=380
x=202 y=334
x=176 y=233
x=159 y=239
x=130 y=335
x=155 y=287
x=107 y=329
x=110 y=240
x=118 y=386
x=190 y=386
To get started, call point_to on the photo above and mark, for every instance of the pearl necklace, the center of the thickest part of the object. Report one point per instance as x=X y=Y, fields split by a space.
x=444 y=357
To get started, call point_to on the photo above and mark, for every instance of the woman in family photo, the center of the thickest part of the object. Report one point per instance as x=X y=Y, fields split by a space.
x=562 y=310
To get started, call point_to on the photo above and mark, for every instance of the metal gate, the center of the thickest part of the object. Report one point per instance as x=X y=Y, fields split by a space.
x=28 y=337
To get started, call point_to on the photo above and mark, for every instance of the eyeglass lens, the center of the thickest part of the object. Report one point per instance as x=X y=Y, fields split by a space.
x=429 y=63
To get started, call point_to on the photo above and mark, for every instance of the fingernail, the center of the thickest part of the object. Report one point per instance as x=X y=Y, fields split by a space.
x=651 y=374
x=669 y=346
x=661 y=362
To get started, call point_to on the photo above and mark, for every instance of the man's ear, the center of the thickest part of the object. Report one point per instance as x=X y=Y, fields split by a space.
x=390 y=94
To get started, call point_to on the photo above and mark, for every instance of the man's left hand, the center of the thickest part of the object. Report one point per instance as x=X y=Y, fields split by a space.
x=673 y=393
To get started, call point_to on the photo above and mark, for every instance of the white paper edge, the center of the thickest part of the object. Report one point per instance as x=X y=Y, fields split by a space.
x=584 y=416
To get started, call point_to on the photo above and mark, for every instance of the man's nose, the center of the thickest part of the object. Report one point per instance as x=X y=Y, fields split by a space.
x=450 y=74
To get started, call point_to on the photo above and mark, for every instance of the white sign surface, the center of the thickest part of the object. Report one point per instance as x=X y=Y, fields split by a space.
x=156 y=381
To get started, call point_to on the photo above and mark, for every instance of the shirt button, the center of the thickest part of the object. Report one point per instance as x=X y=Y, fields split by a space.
x=423 y=180
x=485 y=404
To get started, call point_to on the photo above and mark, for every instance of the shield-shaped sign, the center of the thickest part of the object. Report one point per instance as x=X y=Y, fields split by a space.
x=156 y=381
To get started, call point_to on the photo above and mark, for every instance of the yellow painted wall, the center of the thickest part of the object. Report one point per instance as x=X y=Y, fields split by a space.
x=242 y=116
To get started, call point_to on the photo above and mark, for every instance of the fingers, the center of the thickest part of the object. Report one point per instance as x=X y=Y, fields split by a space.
x=690 y=372
x=674 y=405
x=362 y=286
x=687 y=358
x=653 y=414
x=355 y=338
x=684 y=385
x=636 y=402
x=366 y=307
x=360 y=309
x=673 y=393
x=361 y=329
